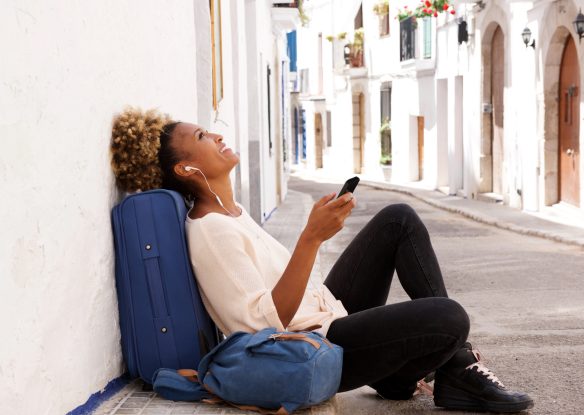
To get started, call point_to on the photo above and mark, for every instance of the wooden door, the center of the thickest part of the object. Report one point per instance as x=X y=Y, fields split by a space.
x=569 y=125
x=318 y=140
x=358 y=113
x=497 y=88
x=420 y=148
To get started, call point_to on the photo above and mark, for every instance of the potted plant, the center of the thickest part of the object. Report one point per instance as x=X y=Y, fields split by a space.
x=356 y=49
x=381 y=9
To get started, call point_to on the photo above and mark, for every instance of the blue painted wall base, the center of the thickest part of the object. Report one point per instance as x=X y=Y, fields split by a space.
x=98 y=398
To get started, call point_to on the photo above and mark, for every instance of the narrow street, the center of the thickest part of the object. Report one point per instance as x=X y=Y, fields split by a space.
x=525 y=297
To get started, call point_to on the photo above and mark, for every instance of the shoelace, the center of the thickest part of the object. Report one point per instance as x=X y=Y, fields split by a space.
x=482 y=369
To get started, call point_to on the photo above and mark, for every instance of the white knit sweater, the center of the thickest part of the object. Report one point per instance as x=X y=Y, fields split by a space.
x=237 y=264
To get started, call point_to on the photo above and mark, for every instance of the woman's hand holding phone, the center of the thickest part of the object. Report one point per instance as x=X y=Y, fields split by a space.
x=326 y=219
x=328 y=216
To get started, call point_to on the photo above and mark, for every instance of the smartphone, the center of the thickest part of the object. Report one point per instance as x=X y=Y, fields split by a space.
x=349 y=186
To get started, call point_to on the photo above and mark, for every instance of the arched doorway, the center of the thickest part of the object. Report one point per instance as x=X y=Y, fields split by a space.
x=569 y=125
x=497 y=120
x=493 y=126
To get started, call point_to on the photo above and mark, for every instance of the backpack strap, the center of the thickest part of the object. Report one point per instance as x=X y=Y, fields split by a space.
x=193 y=376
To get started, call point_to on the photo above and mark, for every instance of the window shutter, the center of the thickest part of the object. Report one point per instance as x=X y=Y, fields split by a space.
x=427 y=38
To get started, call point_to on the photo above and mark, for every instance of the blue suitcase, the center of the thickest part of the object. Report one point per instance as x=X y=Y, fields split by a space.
x=162 y=319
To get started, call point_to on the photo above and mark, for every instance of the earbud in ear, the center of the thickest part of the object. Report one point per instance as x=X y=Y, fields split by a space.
x=189 y=168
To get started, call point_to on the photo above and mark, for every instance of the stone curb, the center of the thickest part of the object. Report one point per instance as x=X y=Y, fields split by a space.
x=474 y=216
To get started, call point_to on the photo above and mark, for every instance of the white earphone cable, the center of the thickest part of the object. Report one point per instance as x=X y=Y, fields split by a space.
x=214 y=194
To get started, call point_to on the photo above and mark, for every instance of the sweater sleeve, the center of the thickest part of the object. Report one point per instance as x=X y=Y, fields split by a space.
x=231 y=283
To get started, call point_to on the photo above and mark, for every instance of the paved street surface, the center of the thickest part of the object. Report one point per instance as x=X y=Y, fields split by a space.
x=525 y=297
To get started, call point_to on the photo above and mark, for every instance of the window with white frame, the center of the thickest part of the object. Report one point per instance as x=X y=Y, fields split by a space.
x=427 y=36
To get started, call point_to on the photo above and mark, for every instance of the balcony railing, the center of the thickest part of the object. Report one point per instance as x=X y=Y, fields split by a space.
x=285 y=15
x=407 y=29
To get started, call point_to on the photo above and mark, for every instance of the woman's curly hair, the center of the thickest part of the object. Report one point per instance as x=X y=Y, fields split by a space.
x=142 y=154
x=134 y=149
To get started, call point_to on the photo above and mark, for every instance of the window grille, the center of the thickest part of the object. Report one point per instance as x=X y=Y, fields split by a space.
x=407 y=39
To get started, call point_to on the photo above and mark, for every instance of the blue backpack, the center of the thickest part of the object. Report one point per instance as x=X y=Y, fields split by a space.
x=279 y=371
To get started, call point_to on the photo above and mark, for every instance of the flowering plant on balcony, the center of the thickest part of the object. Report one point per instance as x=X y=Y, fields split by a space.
x=426 y=8
x=358 y=37
x=381 y=8
x=340 y=36
x=303 y=16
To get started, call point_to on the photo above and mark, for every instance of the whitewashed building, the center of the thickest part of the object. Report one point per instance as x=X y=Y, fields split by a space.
x=473 y=110
x=66 y=70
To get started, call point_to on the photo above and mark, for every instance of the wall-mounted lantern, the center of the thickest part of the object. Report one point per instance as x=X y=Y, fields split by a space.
x=579 y=25
x=462 y=31
x=526 y=34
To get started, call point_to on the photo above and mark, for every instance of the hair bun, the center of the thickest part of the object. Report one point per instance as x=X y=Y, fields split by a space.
x=134 y=149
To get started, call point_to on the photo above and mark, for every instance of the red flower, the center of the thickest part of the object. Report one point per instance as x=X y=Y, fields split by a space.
x=428 y=3
x=452 y=11
x=435 y=14
x=445 y=7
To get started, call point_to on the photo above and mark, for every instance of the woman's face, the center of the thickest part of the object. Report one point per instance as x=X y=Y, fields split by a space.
x=199 y=148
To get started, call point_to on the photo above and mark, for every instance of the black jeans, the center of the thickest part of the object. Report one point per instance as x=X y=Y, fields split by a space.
x=392 y=346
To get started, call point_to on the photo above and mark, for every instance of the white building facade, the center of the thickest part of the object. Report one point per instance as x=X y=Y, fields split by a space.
x=65 y=72
x=473 y=111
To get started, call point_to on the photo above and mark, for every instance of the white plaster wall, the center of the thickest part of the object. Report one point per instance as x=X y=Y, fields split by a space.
x=472 y=92
x=404 y=130
x=308 y=59
x=262 y=50
x=518 y=117
x=67 y=67
x=455 y=112
x=372 y=144
x=339 y=157
x=240 y=91
x=330 y=17
x=229 y=115
x=427 y=93
x=268 y=56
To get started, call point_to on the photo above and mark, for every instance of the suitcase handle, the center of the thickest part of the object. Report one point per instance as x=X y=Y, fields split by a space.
x=150 y=255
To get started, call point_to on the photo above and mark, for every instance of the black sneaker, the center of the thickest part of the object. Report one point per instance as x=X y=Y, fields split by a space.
x=465 y=383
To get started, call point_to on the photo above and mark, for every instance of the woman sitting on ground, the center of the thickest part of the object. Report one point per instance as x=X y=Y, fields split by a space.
x=249 y=281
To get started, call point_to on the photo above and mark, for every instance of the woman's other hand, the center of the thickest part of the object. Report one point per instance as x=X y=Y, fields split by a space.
x=328 y=216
